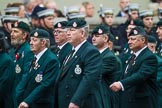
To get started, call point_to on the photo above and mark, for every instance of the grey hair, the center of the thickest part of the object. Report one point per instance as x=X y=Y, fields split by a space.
x=47 y=42
x=86 y=30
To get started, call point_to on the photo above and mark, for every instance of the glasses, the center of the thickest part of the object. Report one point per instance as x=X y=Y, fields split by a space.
x=59 y=31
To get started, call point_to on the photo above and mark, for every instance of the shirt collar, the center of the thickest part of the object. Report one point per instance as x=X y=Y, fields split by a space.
x=101 y=51
x=138 y=52
x=60 y=47
x=78 y=46
x=38 y=56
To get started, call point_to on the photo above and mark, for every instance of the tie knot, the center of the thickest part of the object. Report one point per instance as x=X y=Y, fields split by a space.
x=133 y=56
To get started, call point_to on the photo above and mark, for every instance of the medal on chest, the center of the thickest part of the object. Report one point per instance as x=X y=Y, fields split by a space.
x=17 y=68
x=39 y=77
x=77 y=70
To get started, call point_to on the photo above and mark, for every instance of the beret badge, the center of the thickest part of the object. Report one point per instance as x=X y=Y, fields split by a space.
x=36 y=34
x=74 y=24
x=135 y=32
x=59 y=25
x=100 y=31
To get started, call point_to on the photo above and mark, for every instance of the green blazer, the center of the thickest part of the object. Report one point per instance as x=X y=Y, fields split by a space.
x=110 y=74
x=159 y=81
x=37 y=88
x=140 y=86
x=7 y=77
x=78 y=81
x=64 y=52
x=23 y=61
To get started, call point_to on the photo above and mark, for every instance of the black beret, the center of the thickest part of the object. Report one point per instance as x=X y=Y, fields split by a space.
x=151 y=39
x=76 y=23
x=101 y=29
x=21 y=25
x=39 y=33
x=137 y=31
x=61 y=24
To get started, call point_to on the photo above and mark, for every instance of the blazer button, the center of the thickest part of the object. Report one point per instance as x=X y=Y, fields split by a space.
x=71 y=76
x=67 y=96
x=66 y=86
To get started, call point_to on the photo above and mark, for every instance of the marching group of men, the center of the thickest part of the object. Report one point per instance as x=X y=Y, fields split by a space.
x=64 y=67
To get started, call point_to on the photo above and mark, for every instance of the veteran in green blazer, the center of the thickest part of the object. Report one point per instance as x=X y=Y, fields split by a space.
x=37 y=88
x=20 y=52
x=63 y=47
x=7 y=76
x=78 y=82
x=138 y=87
x=110 y=73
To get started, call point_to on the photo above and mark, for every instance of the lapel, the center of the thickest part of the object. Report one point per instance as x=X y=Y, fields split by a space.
x=105 y=52
x=64 y=48
x=74 y=59
x=137 y=61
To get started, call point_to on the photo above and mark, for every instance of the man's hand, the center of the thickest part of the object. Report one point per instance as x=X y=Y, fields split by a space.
x=23 y=105
x=72 y=105
x=115 y=86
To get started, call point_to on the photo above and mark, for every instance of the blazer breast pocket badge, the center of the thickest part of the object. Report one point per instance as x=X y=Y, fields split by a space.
x=39 y=77
x=77 y=70
x=17 y=68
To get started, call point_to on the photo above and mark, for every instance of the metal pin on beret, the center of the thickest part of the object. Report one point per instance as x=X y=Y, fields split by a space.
x=101 y=29
x=39 y=33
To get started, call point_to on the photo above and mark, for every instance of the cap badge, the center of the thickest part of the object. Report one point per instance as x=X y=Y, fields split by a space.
x=36 y=34
x=74 y=24
x=59 y=25
x=135 y=32
x=100 y=31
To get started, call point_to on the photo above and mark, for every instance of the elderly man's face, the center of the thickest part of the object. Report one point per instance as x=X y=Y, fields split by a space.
x=36 y=45
x=99 y=41
x=159 y=32
x=16 y=36
x=136 y=42
x=60 y=36
x=74 y=36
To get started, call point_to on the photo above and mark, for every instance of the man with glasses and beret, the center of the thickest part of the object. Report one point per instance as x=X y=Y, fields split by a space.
x=79 y=79
x=138 y=86
x=63 y=47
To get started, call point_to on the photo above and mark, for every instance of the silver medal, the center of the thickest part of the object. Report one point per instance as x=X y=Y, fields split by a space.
x=17 y=69
x=78 y=70
x=39 y=78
